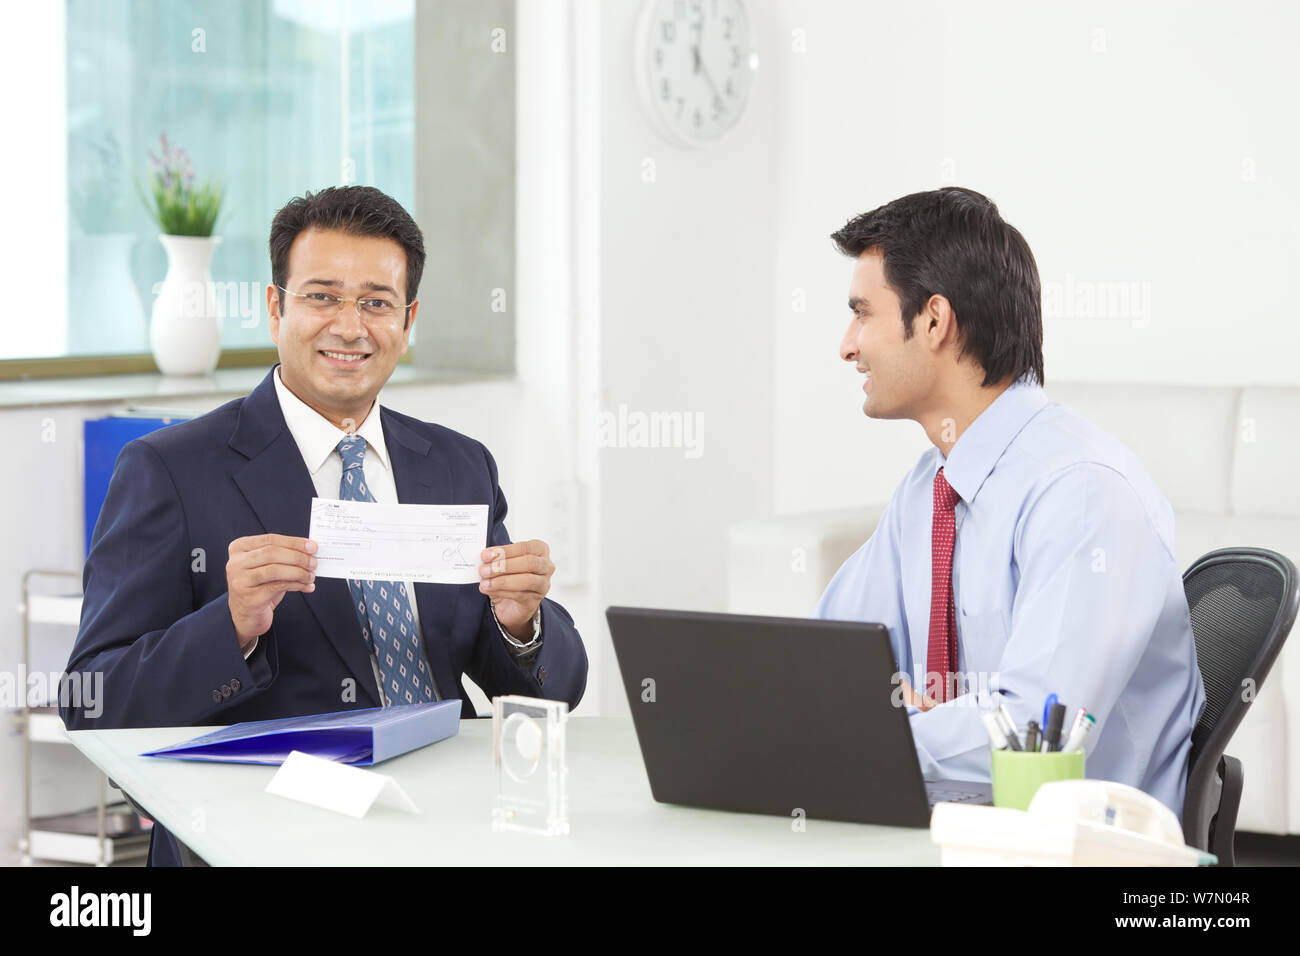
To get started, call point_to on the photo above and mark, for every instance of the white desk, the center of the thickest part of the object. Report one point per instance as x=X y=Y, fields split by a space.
x=222 y=812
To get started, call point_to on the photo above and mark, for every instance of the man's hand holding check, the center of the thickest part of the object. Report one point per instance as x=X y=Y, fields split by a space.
x=390 y=542
x=516 y=577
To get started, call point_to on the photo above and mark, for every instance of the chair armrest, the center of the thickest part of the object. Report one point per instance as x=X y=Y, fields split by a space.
x=1223 y=826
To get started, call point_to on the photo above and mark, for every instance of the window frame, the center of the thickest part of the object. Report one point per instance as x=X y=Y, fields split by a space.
x=81 y=366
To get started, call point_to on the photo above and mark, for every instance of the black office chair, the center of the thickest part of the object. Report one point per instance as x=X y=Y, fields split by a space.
x=1243 y=602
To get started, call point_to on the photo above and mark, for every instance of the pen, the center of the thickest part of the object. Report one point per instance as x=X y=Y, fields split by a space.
x=1047 y=709
x=1080 y=733
x=997 y=739
x=1013 y=742
x=1052 y=734
x=1007 y=722
x=1008 y=729
x=1078 y=720
x=1031 y=736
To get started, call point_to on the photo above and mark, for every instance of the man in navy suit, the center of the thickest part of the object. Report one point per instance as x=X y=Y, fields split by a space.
x=182 y=643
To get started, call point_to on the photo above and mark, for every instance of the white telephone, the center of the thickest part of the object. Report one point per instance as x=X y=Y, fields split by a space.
x=1068 y=823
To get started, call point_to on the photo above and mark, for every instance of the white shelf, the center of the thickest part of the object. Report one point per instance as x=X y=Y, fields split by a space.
x=84 y=848
x=72 y=837
x=54 y=609
x=46 y=728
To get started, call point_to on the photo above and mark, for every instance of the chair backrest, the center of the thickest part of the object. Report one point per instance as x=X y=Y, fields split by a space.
x=1243 y=602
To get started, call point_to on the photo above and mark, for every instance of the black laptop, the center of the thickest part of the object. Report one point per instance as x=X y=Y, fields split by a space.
x=774 y=715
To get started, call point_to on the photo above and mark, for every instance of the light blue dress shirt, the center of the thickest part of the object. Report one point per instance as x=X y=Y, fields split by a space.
x=1065 y=581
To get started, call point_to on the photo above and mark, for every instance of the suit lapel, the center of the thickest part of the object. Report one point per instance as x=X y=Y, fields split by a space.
x=426 y=479
x=279 y=489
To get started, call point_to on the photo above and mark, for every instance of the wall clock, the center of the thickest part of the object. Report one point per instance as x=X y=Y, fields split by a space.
x=695 y=62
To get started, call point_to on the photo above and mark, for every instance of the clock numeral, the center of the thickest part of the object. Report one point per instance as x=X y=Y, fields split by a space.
x=697 y=95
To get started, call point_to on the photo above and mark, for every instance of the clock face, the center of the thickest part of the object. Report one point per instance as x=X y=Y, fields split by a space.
x=695 y=65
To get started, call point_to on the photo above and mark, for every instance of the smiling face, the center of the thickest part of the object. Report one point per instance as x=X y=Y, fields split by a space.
x=899 y=371
x=339 y=264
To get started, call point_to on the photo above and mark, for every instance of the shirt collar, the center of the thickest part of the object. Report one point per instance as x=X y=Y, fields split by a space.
x=317 y=436
x=973 y=456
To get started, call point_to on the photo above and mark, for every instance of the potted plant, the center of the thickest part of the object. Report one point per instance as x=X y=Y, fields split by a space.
x=185 y=332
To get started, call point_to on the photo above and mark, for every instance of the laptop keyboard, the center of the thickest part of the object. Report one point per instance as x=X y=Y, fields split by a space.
x=939 y=795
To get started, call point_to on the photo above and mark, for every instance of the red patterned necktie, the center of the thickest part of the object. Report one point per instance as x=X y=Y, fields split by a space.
x=941 y=654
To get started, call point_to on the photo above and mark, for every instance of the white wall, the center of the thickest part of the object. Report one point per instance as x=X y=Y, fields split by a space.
x=558 y=295
x=686 y=317
x=1149 y=143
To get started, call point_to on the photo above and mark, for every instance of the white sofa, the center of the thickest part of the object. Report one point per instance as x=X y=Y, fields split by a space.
x=1227 y=460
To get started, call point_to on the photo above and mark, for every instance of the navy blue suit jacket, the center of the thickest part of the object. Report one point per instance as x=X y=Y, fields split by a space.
x=156 y=623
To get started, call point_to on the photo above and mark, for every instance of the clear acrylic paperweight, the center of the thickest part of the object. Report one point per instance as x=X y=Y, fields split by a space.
x=532 y=777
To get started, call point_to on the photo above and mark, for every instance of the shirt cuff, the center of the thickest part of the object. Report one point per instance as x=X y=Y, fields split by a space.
x=514 y=646
x=251 y=647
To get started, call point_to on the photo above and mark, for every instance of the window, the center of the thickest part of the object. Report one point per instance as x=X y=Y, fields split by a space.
x=270 y=97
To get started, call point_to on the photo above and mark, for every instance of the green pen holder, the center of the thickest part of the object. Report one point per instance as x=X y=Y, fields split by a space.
x=1018 y=774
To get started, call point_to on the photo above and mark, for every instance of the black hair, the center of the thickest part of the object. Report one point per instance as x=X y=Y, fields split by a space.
x=357 y=210
x=952 y=242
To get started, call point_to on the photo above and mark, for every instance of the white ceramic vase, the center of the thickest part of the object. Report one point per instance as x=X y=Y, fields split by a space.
x=185 y=333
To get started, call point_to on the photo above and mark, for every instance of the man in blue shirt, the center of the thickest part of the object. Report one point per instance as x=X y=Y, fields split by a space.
x=1027 y=552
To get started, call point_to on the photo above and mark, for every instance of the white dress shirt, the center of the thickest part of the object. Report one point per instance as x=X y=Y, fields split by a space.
x=1065 y=580
x=317 y=439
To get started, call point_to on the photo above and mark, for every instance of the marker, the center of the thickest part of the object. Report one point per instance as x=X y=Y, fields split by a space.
x=1047 y=709
x=1007 y=722
x=997 y=739
x=1008 y=729
x=1053 y=732
x=1031 y=736
x=1078 y=721
x=1080 y=733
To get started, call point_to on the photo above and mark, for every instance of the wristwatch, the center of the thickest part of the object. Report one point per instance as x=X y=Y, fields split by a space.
x=514 y=641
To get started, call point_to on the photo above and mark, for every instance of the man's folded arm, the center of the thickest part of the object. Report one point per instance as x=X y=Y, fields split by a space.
x=1093 y=574
x=163 y=662
x=557 y=670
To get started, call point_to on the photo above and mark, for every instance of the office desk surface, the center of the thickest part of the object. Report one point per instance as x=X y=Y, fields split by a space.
x=224 y=814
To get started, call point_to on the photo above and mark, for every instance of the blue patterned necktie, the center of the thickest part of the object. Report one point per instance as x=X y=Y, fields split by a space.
x=386 y=620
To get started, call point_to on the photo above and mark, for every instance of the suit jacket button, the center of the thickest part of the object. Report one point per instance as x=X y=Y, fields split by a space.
x=225 y=690
x=541 y=675
x=234 y=684
x=216 y=696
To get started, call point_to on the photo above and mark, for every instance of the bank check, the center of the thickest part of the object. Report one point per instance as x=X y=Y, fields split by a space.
x=366 y=540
